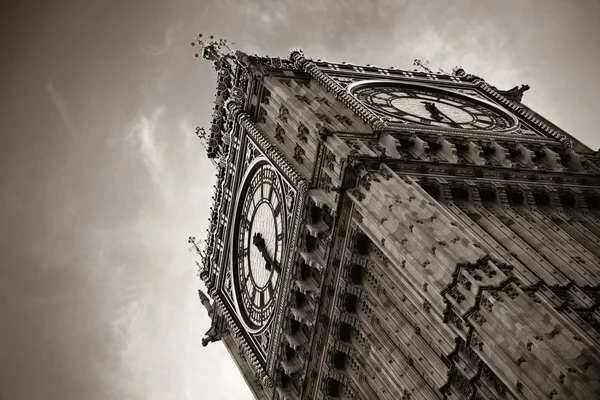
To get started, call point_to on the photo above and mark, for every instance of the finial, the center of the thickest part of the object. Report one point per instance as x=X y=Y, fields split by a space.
x=219 y=50
x=458 y=71
x=422 y=65
x=206 y=302
x=201 y=133
x=295 y=53
x=202 y=296
x=194 y=243
x=212 y=49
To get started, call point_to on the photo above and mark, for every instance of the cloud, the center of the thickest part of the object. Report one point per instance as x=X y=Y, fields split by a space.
x=145 y=137
x=61 y=106
x=165 y=46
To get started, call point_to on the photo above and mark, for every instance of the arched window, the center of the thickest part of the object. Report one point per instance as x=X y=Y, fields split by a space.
x=487 y=195
x=299 y=299
x=568 y=200
x=311 y=243
x=333 y=388
x=339 y=360
x=363 y=244
x=350 y=303
x=592 y=201
x=345 y=331
x=460 y=193
x=542 y=199
x=295 y=326
x=290 y=353
x=515 y=197
x=356 y=274
x=305 y=271
x=315 y=214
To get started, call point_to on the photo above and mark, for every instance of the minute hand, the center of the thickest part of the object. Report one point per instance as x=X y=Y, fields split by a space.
x=271 y=264
x=452 y=122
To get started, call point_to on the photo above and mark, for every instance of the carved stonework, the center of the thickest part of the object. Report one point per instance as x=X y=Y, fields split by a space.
x=304 y=99
x=280 y=134
x=424 y=236
x=323 y=132
x=302 y=132
x=343 y=119
x=329 y=160
x=299 y=153
x=284 y=113
x=323 y=101
x=323 y=118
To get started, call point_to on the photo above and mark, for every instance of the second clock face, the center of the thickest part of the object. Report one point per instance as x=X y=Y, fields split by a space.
x=258 y=246
x=425 y=106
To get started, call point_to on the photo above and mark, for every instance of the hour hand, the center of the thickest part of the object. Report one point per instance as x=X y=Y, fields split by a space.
x=259 y=242
x=433 y=110
x=438 y=115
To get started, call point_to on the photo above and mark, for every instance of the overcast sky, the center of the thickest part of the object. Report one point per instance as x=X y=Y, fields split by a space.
x=102 y=180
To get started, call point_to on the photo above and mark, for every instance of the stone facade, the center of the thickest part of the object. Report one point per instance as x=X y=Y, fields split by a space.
x=424 y=262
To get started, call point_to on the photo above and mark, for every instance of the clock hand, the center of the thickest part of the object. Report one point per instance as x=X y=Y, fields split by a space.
x=259 y=241
x=437 y=114
x=433 y=110
x=452 y=122
x=260 y=244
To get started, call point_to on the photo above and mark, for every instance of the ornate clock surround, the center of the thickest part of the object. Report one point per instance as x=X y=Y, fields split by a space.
x=432 y=106
x=260 y=184
x=261 y=343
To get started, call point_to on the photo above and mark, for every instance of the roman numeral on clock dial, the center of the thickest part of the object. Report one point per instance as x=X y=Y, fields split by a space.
x=260 y=236
x=448 y=109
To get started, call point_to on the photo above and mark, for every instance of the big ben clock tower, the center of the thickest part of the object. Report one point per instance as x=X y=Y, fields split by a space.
x=390 y=234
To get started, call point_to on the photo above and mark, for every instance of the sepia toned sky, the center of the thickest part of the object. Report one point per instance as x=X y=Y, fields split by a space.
x=102 y=180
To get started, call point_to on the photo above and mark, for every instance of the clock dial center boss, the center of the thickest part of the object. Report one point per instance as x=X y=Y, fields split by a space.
x=258 y=247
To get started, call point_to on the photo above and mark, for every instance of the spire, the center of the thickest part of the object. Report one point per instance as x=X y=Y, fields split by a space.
x=206 y=303
x=212 y=49
x=219 y=51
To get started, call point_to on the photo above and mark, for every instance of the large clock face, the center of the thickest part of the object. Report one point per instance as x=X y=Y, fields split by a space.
x=433 y=107
x=258 y=245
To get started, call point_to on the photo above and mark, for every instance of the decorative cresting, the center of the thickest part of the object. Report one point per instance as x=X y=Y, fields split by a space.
x=301 y=62
x=205 y=271
x=231 y=84
x=235 y=112
x=230 y=66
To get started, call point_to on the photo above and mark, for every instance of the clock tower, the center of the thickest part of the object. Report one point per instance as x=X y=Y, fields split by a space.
x=391 y=234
